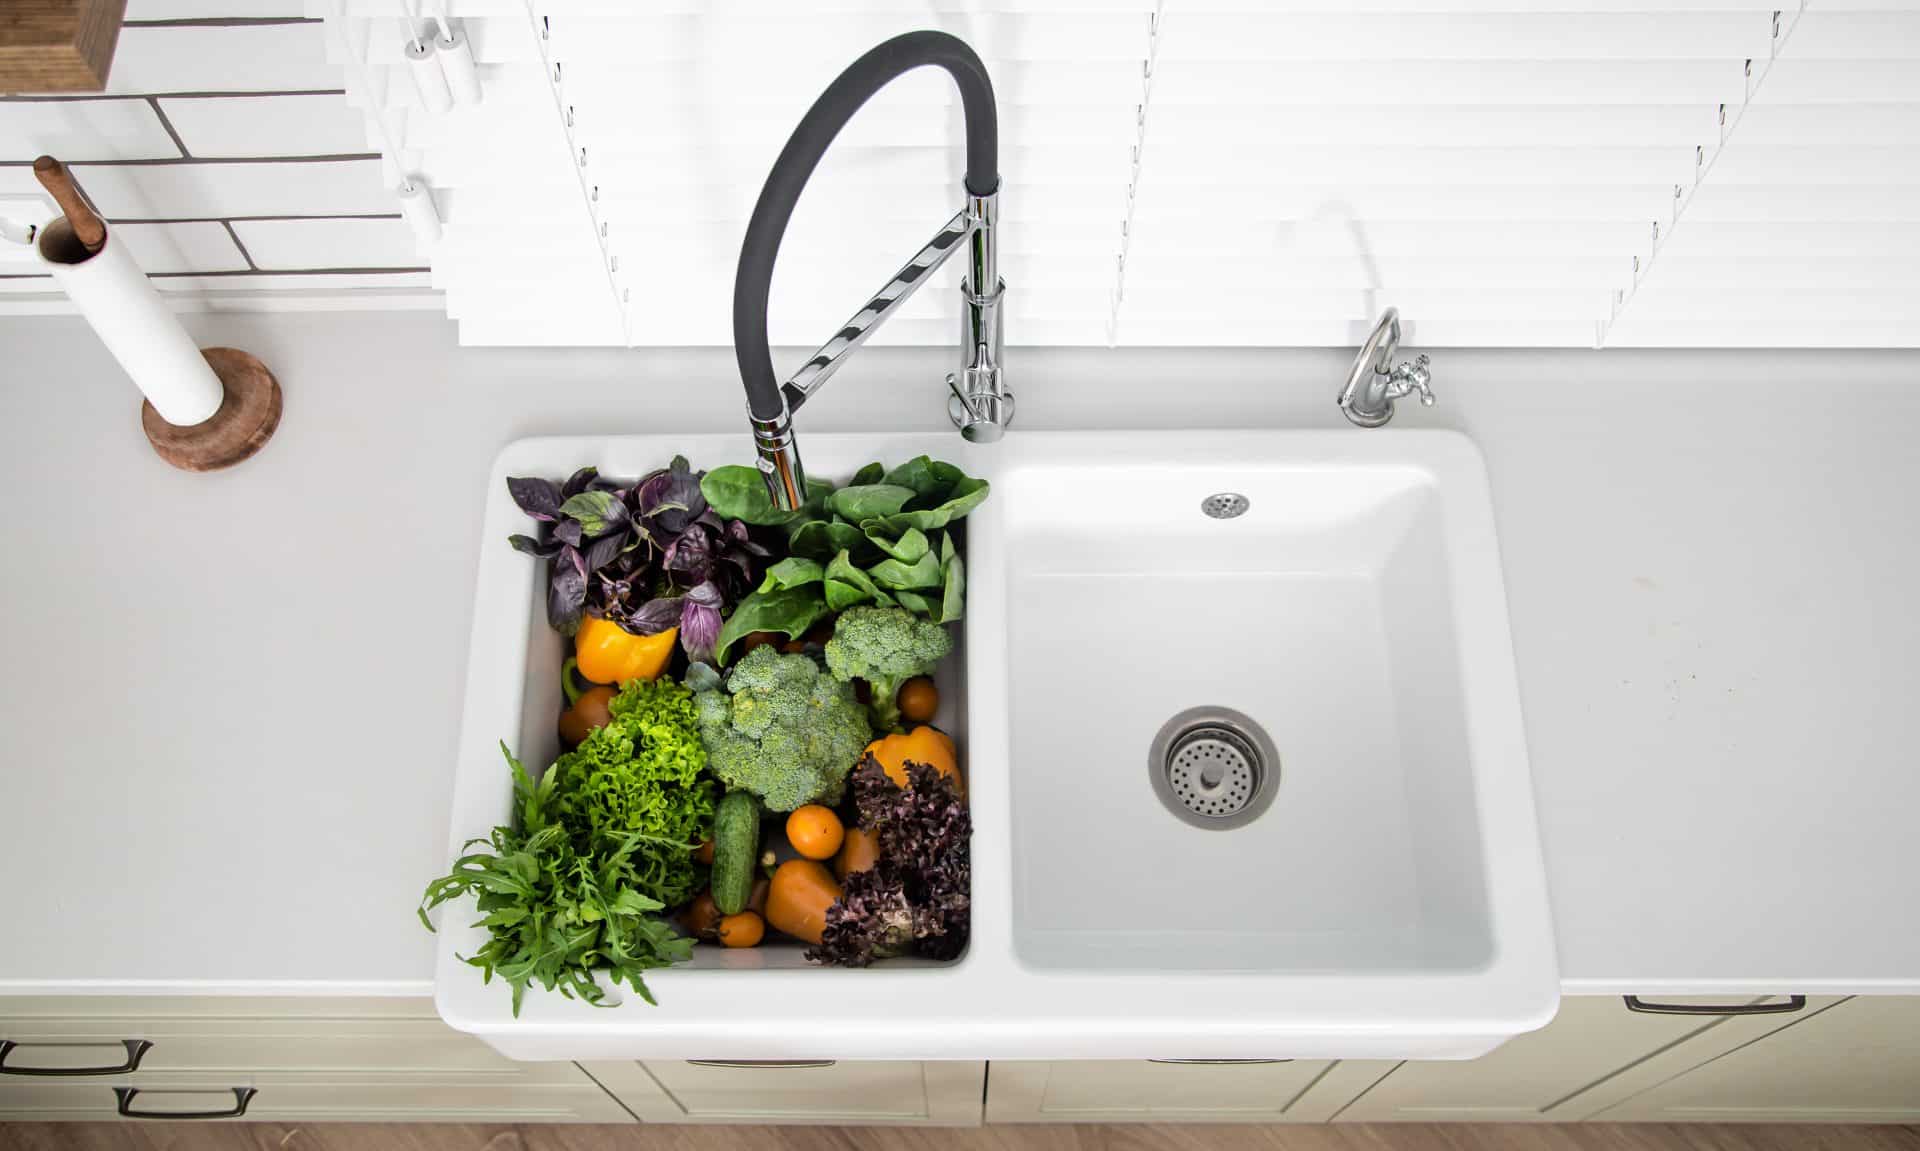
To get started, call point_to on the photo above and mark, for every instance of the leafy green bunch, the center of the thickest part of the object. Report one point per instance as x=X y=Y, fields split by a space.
x=601 y=844
x=886 y=538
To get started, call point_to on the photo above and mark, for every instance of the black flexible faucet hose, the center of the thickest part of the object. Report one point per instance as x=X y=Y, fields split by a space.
x=753 y=280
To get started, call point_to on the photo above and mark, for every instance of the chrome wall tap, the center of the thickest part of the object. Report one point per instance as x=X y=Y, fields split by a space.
x=980 y=405
x=1375 y=382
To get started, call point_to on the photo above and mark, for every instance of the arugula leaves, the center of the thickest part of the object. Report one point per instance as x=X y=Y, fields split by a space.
x=602 y=844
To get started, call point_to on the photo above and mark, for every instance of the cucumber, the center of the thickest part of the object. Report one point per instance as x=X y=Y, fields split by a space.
x=736 y=845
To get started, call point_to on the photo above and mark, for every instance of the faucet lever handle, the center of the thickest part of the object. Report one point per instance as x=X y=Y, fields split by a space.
x=966 y=402
x=1410 y=378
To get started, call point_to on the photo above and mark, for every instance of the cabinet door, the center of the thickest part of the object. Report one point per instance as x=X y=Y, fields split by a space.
x=932 y=1094
x=1103 y=1091
x=1854 y=1062
x=1595 y=1053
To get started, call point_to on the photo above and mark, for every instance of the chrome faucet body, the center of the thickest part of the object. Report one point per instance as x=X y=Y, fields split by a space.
x=1375 y=382
x=980 y=405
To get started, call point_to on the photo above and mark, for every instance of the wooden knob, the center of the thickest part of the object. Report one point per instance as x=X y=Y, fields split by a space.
x=87 y=225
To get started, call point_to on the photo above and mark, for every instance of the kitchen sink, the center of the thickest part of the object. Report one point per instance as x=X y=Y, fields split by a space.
x=1322 y=603
x=1242 y=738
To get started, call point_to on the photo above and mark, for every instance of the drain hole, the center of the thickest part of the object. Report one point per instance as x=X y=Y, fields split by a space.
x=1213 y=767
x=1225 y=505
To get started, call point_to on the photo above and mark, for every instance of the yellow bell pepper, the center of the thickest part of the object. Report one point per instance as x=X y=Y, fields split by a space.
x=928 y=745
x=608 y=653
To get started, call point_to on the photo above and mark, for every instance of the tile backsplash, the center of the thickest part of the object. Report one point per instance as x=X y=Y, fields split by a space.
x=224 y=152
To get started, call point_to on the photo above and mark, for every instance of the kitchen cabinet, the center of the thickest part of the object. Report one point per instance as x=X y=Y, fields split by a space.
x=306 y=1060
x=1596 y=1053
x=563 y=1095
x=1184 y=1091
x=880 y=1093
x=1857 y=1061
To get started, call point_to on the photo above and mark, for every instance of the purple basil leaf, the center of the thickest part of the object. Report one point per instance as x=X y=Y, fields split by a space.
x=706 y=594
x=577 y=482
x=690 y=557
x=654 y=616
x=604 y=551
x=568 y=532
x=536 y=497
x=671 y=498
x=566 y=592
x=699 y=628
x=533 y=547
x=598 y=512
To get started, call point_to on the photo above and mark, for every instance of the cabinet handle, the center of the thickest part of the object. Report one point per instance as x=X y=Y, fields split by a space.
x=1793 y=1004
x=764 y=1064
x=136 y=1050
x=241 y=1097
x=1220 y=1062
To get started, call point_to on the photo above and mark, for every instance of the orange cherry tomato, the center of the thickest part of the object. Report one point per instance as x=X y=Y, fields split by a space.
x=815 y=831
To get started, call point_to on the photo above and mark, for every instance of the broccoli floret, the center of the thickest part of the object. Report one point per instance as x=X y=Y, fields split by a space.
x=782 y=729
x=886 y=646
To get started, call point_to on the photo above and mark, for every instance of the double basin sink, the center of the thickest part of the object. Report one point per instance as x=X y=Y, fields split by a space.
x=1244 y=754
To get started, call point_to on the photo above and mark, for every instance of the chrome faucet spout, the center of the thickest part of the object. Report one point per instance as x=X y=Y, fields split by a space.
x=984 y=406
x=1375 y=382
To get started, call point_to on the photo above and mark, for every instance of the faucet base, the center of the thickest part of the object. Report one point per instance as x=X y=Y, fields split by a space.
x=1362 y=419
x=986 y=421
x=779 y=460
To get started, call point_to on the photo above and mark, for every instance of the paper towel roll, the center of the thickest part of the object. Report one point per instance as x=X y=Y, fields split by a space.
x=134 y=323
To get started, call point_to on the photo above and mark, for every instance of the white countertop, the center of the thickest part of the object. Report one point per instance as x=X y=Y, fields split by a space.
x=229 y=703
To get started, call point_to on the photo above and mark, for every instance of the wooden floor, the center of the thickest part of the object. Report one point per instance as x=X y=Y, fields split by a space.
x=1354 y=1137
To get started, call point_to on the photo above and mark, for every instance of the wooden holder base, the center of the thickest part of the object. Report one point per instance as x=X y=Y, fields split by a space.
x=245 y=422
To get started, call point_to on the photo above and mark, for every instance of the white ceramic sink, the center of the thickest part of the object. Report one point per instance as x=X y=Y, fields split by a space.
x=1388 y=902
x=1326 y=607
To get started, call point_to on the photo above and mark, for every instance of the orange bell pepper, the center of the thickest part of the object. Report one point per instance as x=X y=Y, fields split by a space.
x=608 y=653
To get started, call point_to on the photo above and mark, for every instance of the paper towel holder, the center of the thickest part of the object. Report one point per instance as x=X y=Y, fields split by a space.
x=250 y=403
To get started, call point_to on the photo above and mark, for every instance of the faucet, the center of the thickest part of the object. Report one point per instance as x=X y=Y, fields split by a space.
x=1374 y=383
x=980 y=405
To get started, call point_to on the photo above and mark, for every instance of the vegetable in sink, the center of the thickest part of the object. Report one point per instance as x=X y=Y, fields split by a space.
x=603 y=843
x=659 y=582
x=887 y=538
x=916 y=897
x=886 y=647
x=781 y=729
x=648 y=557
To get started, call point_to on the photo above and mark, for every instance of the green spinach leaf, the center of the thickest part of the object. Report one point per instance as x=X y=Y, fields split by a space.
x=858 y=502
x=789 y=611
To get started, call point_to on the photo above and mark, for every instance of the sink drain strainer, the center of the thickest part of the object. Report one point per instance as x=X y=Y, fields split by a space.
x=1225 y=505
x=1213 y=767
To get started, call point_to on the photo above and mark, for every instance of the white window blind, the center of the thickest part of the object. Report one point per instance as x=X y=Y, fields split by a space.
x=519 y=260
x=1196 y=172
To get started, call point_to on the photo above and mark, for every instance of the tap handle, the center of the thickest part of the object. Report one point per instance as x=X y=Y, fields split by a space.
x=965 y=402
x=1410 y=378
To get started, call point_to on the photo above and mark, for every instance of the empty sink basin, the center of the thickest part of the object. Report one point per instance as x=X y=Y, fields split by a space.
x=1262 y=714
